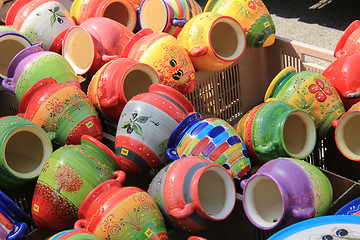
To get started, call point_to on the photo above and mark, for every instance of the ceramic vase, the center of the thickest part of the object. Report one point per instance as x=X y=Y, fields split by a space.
x=213 y=41
x=310 y=91
x=253 y=16
x=96 y=41
x=68 y=175
x=349 y=41
x=74 y=234
x=24 y=149
x=275 y=129
x=193 y=194
x=61 y=108
x=145 y=125
x=284 y=191
x=213 y=139
x=114 y=84
x=112 y=211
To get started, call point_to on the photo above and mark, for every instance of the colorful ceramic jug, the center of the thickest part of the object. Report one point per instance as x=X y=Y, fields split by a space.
x=349 y=41
x=193 y=193
x=252 y=15
x=122 y=11
x=166 y=55
x=284 y=191
x=74 y=234
x=145 y=125
x=213 y=139
x=93 y=43
x=116 y=83
x=310 y=91
x=170 y=16
x=24 y=149
x=31 y=65
x=68 y=175
x=112 y=211
x=277 y=129
x=62 y=108
x=213 y=41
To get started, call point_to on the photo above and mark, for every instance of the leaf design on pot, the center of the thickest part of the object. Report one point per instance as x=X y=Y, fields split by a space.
x=133 y=123
x=56 y=15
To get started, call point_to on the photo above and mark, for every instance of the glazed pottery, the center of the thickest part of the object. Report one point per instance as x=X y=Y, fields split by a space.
x=252 y=15
x=145 y=125
x=310 y=91
x=24 y=149
x=166 y=55
x=32 y=64
x=114 y=84
x=44 y=21
x=68 y=175
x=122 y=11
x=13 y=220
x=351 y=208
x=112 y=211
x=284 y=191
x=14 y=9
x=195 y=238
x=213 y=41
x=62 y=108
x=193 y=193
x=74 y=234
x=277 y=129
x=212 y=139
x=93 y=43
x=349 y=41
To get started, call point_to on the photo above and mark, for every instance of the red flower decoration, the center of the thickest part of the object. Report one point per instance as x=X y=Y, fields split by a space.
x=251 y=5
x=320 y=90
x=258 y=3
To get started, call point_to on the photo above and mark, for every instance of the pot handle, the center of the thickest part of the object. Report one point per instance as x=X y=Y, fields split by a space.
x=119 y=176
x=305 y=213
x=51 y=135
x=8 y=85
x=198 y=51
x=183 y=212
x=110 y=102
x=171 y=154
x=81 y=224
x=178 y=22
x=19 y=231
x=264 y=148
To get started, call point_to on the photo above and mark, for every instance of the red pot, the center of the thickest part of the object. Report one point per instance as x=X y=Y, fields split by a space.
x=349 y=41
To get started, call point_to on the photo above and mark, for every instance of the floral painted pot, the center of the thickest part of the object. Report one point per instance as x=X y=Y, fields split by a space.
x=64 y=182
x=275 y=129
x=252 y=15
x=74 y=234
x=193 y=194
x=145 y=125
x=310 y=91
x=25 y=148
x=116 y=83
x=349 y=41
x=61 y=108
x=214 y=140
x=213 y=41
x=93 y=43
x=166 y=55
x=112 y=211
x=284 y=191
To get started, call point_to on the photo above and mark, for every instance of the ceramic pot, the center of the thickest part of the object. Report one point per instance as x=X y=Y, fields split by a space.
x=93 y=43
x=193 y=193
x=275 y=129
x=213 y=41
x=170 y=15
x=145 y=125
x=44 y=21
x=195 y=238
x=253 y=16
x=284 y=191
x=114 y=84
x=310 y=91
x=74 y=234
x=14 y=9
x=68 y=175
x=126 y=213
x=24 y=149
x=212 y=139
x=349 y=41
x=62 y=108
x=350 y=208
x=122 y=11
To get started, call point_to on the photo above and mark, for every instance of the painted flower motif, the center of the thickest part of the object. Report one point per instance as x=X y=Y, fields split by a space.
x=320 y=90
x=259 y=3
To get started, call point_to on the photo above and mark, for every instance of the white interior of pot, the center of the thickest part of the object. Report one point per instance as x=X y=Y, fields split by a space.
x=153 y=15
x=299 y=134
x=263 y=202
x=348 y=135
x=119 y=11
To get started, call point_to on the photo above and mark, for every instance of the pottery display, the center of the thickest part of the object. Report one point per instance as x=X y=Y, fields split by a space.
x=253 y=16
x=351 y=208
x=166 y=55
x=213 y=41
x=114 y=84
x=193 y=193
x=284 y=191
x=349 y=41
x=214 y=140
x=112 y=211
x=145 y=125
x=310 y=91
x=96 y=41
x=68 y=175
x=74 y=234
x=277 y=129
